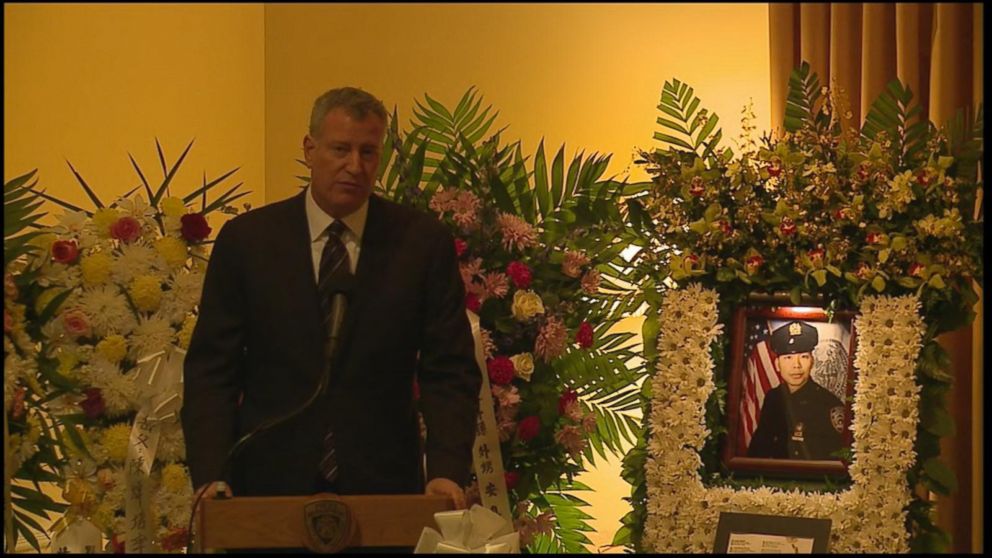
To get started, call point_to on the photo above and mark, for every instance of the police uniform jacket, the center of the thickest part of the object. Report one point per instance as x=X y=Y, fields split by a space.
x=806 y=424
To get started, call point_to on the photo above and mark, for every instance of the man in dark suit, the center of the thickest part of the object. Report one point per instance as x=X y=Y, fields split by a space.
x=258 y=348
x=799 y=419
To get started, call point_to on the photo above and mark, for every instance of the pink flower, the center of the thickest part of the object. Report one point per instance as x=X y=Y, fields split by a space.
x=466 y=208
x=520 y=274
x=590 y=282
x=787 y=227
x=506 y=395
x=500 y=370
x=725 y=227
x=496 y=284
x=572 y=439
x=17 y=405
x=472 y=302
x=469 y=270
x=840 y=214
x=565 y=399
x=873 y=238
x=488 y=346
x=64 y=251
x=517 y=233
x=583 y=336
x=551 y=340
x=460 y=247
x=816 y=256
x=573 y=262
x=863 y=271
x=195 y=227
x=93 y=406
x=8 y=321
x=76 y=323
x=126 y=229
x=529 y=428
x=442 y=200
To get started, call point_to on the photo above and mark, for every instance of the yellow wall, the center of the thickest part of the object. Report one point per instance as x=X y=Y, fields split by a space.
x=90 y=83
x=590 y=74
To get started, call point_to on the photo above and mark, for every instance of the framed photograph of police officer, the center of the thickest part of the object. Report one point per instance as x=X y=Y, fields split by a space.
x=790 y=384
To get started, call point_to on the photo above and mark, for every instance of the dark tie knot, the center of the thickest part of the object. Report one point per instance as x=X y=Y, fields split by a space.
x=337 y=228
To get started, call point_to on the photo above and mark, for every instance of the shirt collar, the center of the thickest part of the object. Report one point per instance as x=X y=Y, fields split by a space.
x=318 y=220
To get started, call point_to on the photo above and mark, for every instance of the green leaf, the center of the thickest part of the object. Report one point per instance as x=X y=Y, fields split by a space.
x=943 y=479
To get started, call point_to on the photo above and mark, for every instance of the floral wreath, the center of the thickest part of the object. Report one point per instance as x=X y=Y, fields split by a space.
x=870 y=516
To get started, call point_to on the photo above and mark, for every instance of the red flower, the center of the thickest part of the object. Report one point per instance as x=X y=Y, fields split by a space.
x=64 y=251
x=923 y=177
x=520 y=274
x=117 y=544
x=692 y=259
x=93 y=406
x=916 y=269
x=566 y=399
x=696 y=186
x=472 y=302
x=460 y=247
x=863 y=271
x=195 y=227
x=500 y=370
x=511 y=478
x=583 y=336
x=528 y=428
x=873 y=238
x=8 y=321
x=863 y=172
x=840 y=214
x=774 y=168
x=17 y=406
x=126 y=229
x=787 y=227
x=416 y=390
x=752 y=263
x=175 y=540
x=725 y=228
x=816 y=255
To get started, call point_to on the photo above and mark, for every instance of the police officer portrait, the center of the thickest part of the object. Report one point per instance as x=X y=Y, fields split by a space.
x=790 y=388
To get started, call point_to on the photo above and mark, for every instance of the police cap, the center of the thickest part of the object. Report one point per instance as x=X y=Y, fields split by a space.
x=794 y=337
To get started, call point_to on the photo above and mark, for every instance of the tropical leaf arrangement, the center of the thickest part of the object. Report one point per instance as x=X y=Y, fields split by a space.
x=539 y=244
x=114 y=291
x=828 y=212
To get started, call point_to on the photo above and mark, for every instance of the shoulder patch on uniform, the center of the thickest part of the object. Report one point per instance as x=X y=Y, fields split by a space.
x=837 y=418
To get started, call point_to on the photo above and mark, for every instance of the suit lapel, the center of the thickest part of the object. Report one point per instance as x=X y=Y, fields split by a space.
x=298 y=256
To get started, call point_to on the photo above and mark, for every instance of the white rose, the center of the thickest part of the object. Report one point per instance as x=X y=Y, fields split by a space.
x=523 y=365
x=526 y=305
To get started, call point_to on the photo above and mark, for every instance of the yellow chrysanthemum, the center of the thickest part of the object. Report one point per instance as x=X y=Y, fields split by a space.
x=67 y=362
x=173 y=207
x=45 y=298
x=172 y=250
x=102 y=219
x=112 y=348
x=186 y=332
x=115 y=440
x=174 y=478
x=146 y=293
x=96 y=269
x=103 y=516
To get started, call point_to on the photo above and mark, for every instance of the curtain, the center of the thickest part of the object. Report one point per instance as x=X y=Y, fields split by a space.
x=936 y=50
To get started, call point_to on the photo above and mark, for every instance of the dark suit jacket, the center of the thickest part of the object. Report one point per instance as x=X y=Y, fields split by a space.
x=260 y=336
x=811 y=407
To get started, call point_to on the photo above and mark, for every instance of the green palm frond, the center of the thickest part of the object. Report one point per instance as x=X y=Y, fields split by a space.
x=894 y=114
x=571 y=521
x=684 y=126
x=803 y=103
x=443 y=128
x=20 y=212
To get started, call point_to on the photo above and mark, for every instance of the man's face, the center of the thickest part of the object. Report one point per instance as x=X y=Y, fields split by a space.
x=795 y=369
x=343 y=159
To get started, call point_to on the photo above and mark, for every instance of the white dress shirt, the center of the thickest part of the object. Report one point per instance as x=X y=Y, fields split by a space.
x=318 y=221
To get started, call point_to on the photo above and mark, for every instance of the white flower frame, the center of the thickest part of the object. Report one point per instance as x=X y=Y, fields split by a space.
x=869 y=517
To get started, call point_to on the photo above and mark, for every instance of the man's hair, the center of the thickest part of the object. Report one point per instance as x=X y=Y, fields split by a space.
x=357 y=103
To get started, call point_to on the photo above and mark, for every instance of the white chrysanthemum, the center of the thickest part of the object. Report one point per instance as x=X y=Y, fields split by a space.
x=15 y=367
x=152 y=335
x=136 y=207
x=117 y=389
x=134 y=260
x=108 y=310
x=71 y=222
x=171 y=444
x=61 y=275
x=184 y=290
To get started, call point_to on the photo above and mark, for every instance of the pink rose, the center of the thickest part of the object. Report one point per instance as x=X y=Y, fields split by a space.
x=460 y=247
x=64 y=251
x=93 y=406
x=195 y=227
x=566 y=399
x=528 y=428
x=520 y=274
x=76 y=323
x=126 y=229
x=500 y=370
x=583 y=336
x=472 y=302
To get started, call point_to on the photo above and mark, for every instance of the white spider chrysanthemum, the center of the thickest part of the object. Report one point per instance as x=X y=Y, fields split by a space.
x=108 y=310
x=152 y=335
x=134 y=260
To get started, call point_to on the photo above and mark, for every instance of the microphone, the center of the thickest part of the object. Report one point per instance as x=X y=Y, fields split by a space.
x=341 y=286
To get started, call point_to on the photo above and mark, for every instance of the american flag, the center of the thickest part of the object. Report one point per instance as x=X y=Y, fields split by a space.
x=760 y=376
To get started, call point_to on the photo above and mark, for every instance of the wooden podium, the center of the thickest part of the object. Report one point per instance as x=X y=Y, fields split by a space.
x=321 y=522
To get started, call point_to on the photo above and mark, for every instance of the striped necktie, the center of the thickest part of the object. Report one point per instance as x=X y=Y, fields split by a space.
x=334 y=262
